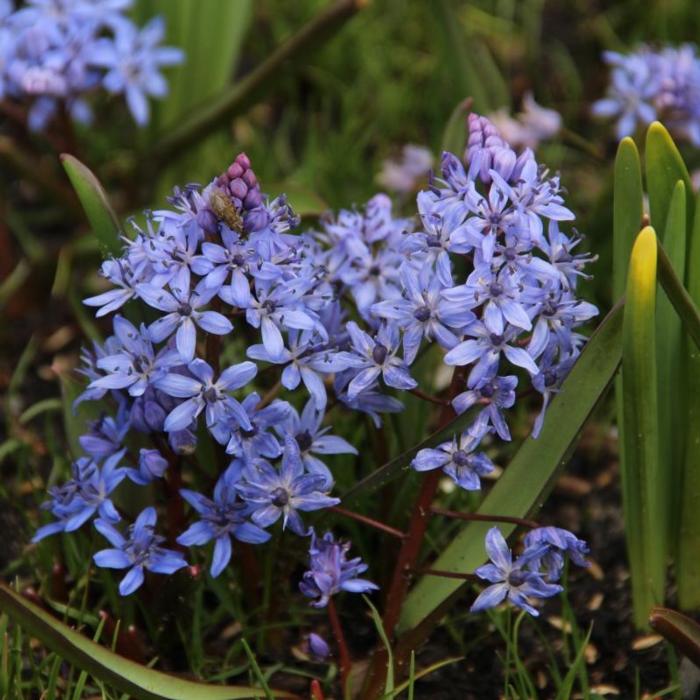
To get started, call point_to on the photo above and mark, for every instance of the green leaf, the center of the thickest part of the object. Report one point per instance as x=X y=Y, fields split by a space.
x=642 y=483
x=246 y=92
x=102 y=218
x=664 y=167
x=679 y=297
x=682 y=631
x=671 y=383
x=627 y=210
x=688 y=564
x=106 y=666
x=211 y=35
x=532 y=471
x=454 y=137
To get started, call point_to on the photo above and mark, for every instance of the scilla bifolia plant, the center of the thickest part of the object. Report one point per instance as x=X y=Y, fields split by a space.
x=237 y=335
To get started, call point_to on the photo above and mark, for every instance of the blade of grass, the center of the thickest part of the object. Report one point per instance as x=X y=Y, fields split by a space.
x=567 y=686
x=645 y=510
x=377 y=619
x=256 y=669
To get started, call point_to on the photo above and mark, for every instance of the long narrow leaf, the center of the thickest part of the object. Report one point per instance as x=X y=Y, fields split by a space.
x=688 y=564
x=664 y=167
x=106 y=666
x=671 y=383
x=531 y=473
x=248 y=90
x=627 y=210
x=645 y=511
x=102 y=218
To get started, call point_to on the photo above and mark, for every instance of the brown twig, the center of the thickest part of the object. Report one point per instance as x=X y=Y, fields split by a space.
x=480 y=517
x=427 y=397
x=365 y=519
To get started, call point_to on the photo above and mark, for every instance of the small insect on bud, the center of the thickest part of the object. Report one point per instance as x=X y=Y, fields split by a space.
x=222 y=206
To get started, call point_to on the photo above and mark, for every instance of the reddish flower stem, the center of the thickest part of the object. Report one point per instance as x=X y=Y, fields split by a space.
x=484 y=518
x=420 y=516
x=343 y=651
x=427 y=397
x=369 y=521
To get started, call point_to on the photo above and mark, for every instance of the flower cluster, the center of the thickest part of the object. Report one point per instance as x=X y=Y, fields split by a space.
x=54 y=53
x=651 y=84
x=515 y=315
x=344 y=311
x=534 y=574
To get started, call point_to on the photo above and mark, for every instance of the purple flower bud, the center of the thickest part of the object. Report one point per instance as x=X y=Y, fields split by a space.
x=243 y=160
x=256 y=219
x=253 y=199
x=183 y=442
x=206 y=219
x=152 y=464
x=238 y=188
x=235 y=170
x=250 y=179
x=319 y=647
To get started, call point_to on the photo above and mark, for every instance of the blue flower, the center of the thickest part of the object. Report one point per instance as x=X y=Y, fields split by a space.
x=257 y=440
x=106 y=436
x=183 y=313
x=280 y=493
x=495 y=394
x=132 y=61
x=135 y=365
x=140 y=551
x=375 y=357
x=331 y=571
x=312 y=438
x=276 y=306
x=202 y=393
x=458 y=459
x=422 y=312
x=307 y=360
x=558 y=543
x=87 y=493
x=152 y=466
x=511 y=580
x=634 y=85
x=221 y=518
x=484 y=348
